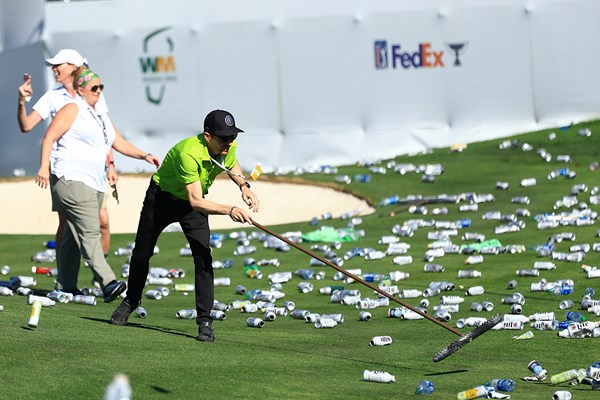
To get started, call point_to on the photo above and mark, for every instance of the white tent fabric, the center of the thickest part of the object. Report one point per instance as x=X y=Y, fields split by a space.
x=313 y=82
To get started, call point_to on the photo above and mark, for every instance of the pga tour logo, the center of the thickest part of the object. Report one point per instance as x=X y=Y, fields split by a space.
x=424 y=56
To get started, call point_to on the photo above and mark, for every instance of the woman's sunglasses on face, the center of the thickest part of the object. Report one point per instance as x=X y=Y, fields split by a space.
x=96 y=87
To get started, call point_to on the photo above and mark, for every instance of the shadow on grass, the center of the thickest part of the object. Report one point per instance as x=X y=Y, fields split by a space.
x=144 y=326
x=27 y=328
x=160 y=389
x=272 y=347
x=337 y=357
x=457 y=371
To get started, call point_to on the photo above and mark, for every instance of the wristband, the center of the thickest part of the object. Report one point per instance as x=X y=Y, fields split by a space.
x=245 y=184
x=148 y=154
x=231 y=211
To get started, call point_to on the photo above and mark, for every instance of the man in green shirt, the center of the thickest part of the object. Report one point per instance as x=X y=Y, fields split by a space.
x=176 y=194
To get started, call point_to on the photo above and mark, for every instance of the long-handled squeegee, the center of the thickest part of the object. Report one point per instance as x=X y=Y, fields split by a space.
x=464 y=338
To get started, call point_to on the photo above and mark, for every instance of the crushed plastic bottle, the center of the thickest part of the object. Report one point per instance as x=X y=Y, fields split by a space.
x=524 y=336
x=425 y=387
x=503 y=385
x=564 y=288
x=575 y=316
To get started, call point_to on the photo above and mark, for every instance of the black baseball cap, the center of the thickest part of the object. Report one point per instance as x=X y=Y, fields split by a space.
x=220 y=123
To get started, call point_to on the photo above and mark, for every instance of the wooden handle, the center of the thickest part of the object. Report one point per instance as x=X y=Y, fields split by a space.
x=356 y=278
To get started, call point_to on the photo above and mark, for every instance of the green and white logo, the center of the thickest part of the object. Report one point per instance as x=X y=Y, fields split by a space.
x=158 y=64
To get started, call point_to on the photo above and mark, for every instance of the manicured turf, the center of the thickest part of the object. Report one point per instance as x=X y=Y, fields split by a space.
x=75 y=351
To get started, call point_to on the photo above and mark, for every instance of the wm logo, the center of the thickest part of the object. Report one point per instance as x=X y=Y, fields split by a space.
x=158 y=70
x=157 y=64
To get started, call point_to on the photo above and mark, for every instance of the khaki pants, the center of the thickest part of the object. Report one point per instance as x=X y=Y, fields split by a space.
x=80 y=204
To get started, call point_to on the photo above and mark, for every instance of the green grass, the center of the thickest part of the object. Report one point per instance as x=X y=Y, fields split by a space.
x=75 y=352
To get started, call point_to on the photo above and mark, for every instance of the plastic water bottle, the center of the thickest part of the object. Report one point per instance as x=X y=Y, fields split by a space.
x=373 y=277
x=388 y=201
x=563 y=288
x=118 y=389
x=251 y=294
x=305 y=273
x=575 y=316
x=242 y=250
x=503 y=385
x=562 y=325
x=590 y=292
x=362 y=178
x=425 y=387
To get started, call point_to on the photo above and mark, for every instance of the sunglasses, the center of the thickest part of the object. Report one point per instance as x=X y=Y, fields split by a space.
x=226 y=140
x=115 y=194
x=96 y=87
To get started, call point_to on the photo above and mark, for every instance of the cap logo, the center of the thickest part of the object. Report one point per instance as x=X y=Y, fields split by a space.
x=229 y=120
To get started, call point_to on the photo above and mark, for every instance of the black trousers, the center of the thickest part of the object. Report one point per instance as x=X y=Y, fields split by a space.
x=159 y=210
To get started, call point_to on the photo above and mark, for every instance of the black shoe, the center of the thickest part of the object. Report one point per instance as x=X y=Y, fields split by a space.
x=205 y=332
x=121 y=314
x=113 y=290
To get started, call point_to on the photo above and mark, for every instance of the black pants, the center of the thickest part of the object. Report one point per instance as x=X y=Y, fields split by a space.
x=159 y=210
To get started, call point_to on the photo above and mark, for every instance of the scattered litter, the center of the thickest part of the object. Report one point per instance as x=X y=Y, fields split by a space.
x=378 y=376
x=425 y=387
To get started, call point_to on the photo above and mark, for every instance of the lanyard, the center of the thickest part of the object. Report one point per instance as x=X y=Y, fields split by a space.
x=101 y=125
x=218 y=164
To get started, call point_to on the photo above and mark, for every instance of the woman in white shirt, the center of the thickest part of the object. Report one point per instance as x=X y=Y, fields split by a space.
x=84 y=135
x=63 y=64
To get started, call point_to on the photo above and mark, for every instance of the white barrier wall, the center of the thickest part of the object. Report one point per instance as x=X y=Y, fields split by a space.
x=331 y=82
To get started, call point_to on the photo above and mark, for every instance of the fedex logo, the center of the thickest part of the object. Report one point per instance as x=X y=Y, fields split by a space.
x=425 y=55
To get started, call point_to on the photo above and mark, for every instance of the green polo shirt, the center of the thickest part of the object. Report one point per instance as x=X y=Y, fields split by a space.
x=187 y=162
